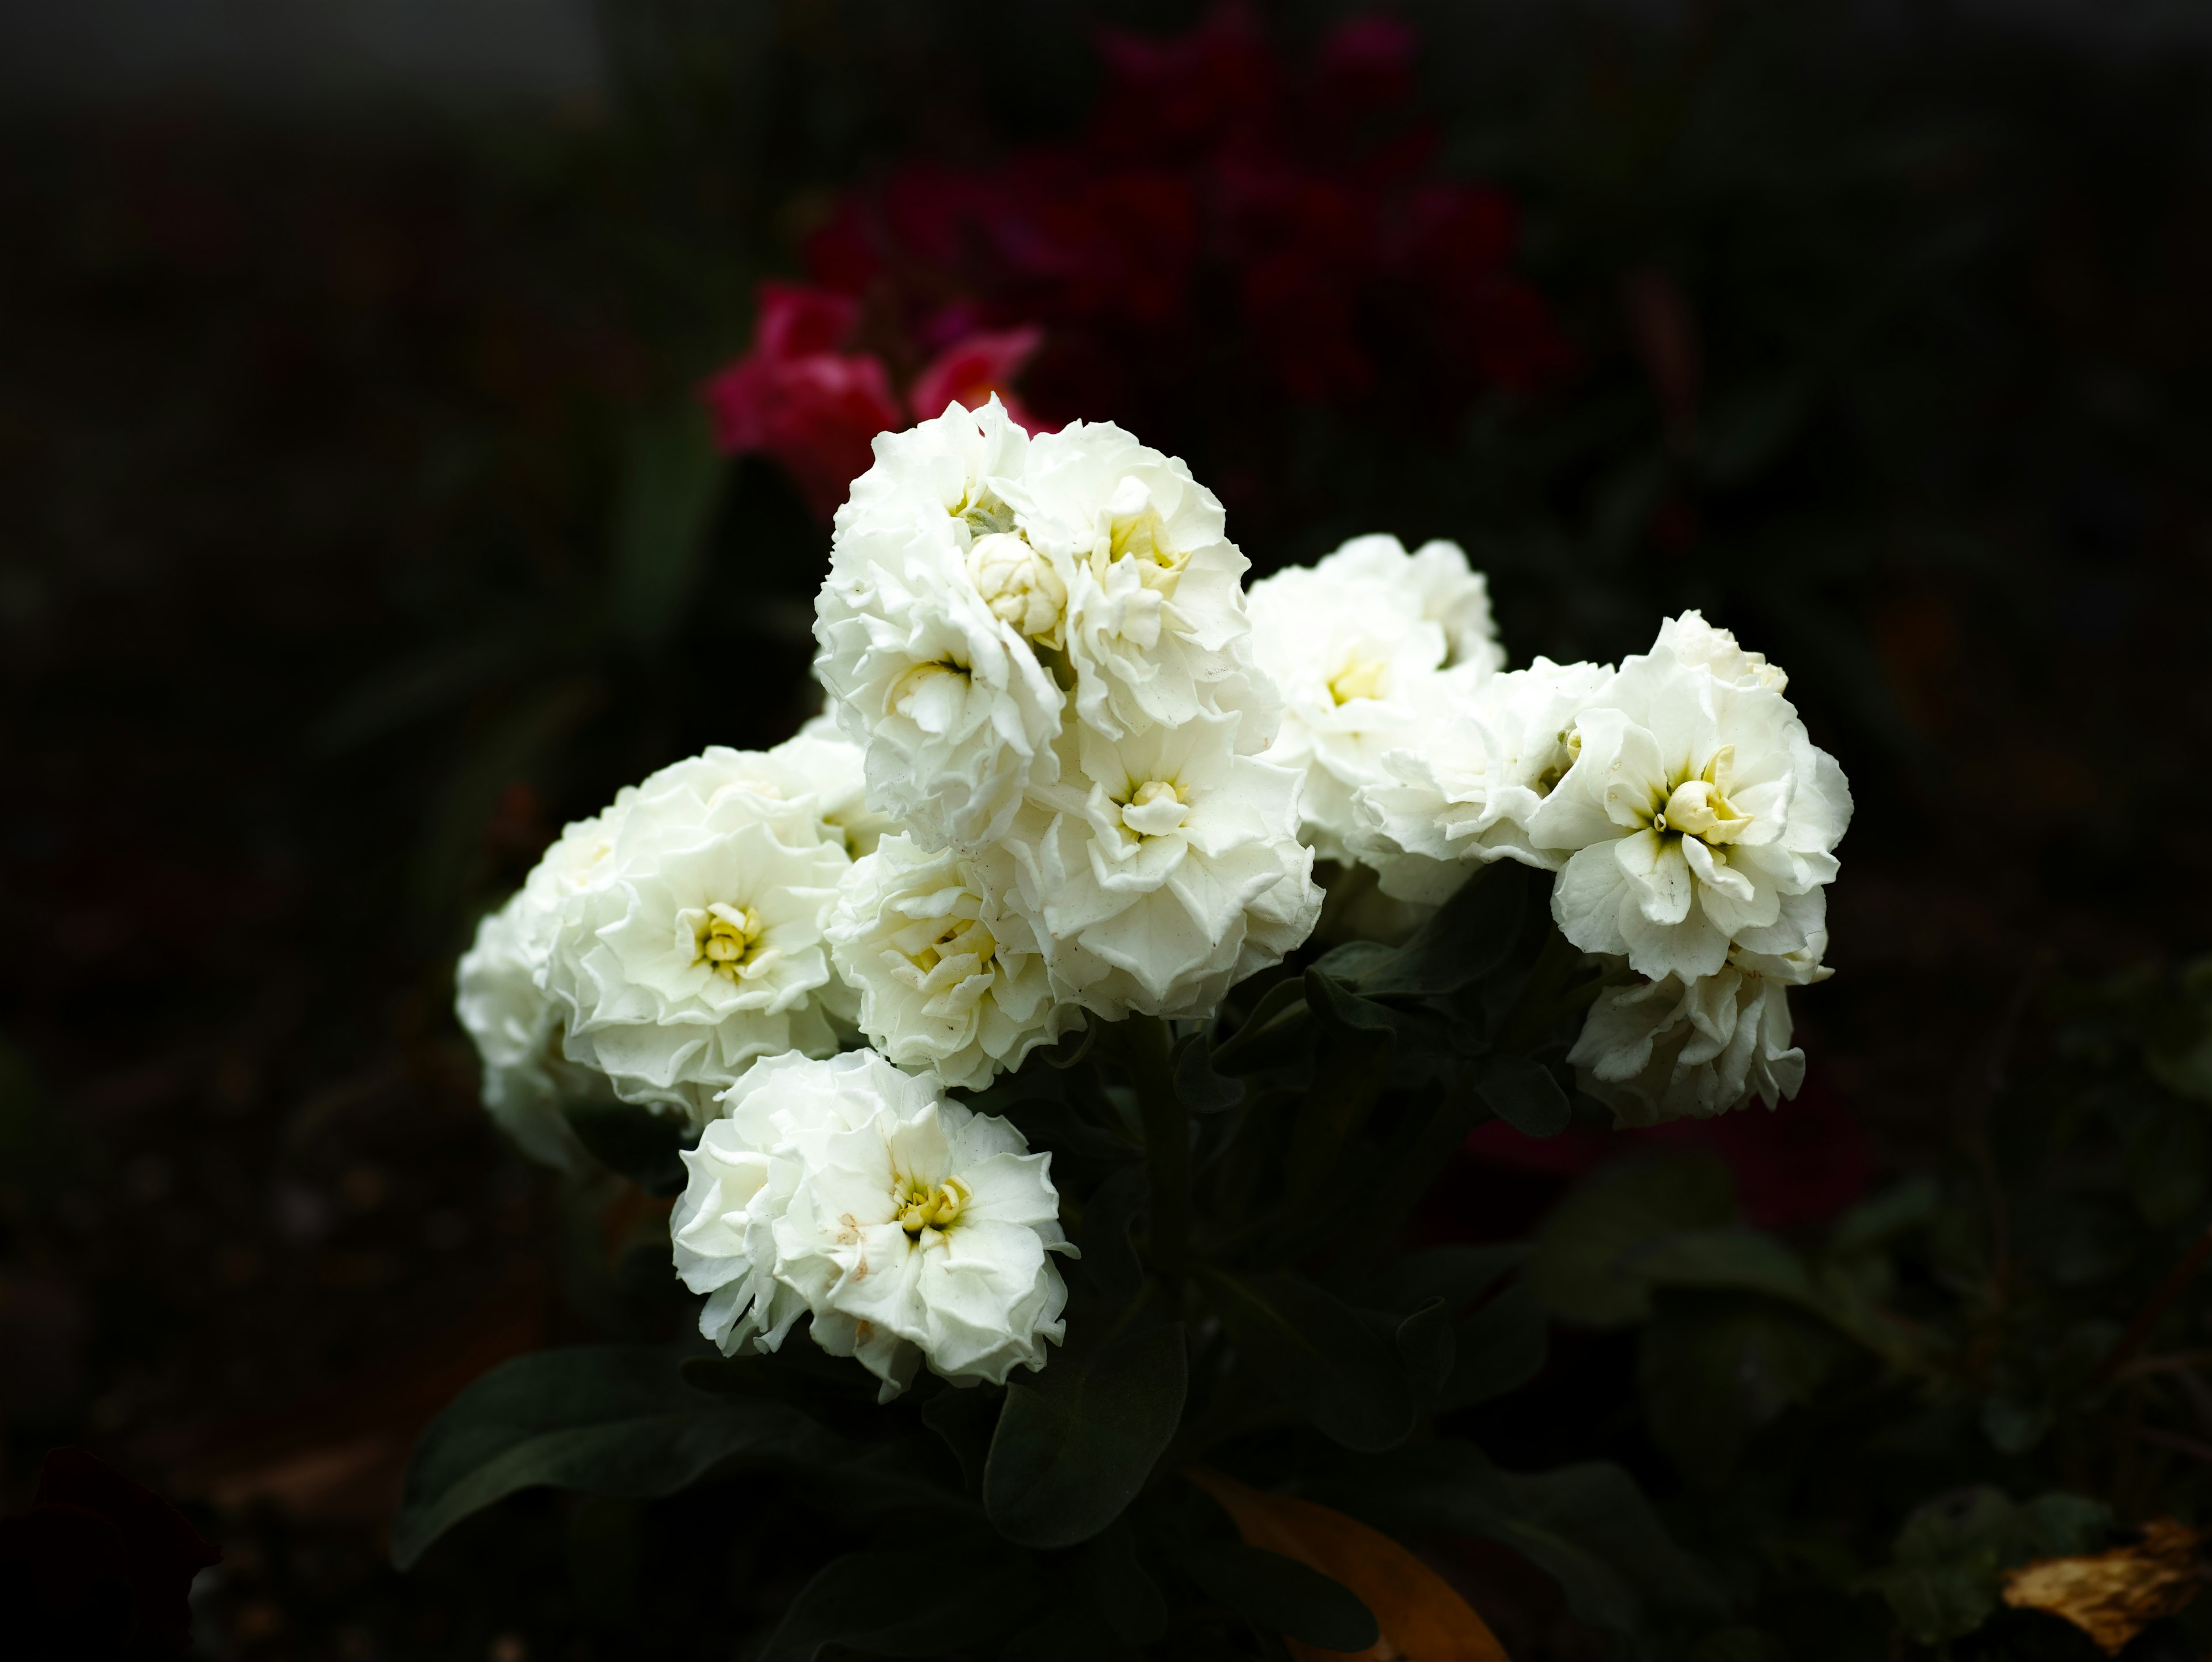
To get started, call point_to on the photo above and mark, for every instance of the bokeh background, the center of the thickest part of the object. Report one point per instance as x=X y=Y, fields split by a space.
x=363 y=517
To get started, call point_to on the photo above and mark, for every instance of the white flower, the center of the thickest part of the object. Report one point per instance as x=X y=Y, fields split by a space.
x=912 y=1229
x=525 y=1078
x=1667 y=1049
x=951 y=980
x=1354 y=645
x=1478 y=760
x=499 y=994
x=835 y=770
x=776 y=1123
x=925 y=1237
x=699 y=947
x=950 y=700
x=1436 y=581
x=1163 y=868
x=1128 y=558
x=1697 y=813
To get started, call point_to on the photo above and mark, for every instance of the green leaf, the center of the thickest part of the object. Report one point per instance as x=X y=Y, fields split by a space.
x=1876 y=1221
x=1714 y=1369
x=1498 y=1349
x=925 y=1602
x=1591 y=1252
x=1740 y=1260
x=1272 y=1018
x=1124 y=1593
x=1076 y=1441
x=1470 y=934
x=1424 y=1344
x=1109 y=1259
x=1458 y=1275
x=641 y=1145
x=614 y=1419
x=1344 y=1010
x=1281 y=1595
x=2166 y=1159
x=1943 y=1581
x=966 y=1419
x=1202 y=1090
x=1339 y=1367
x=1523 y=1094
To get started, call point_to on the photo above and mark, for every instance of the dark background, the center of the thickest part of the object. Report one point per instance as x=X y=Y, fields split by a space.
x=327 y=352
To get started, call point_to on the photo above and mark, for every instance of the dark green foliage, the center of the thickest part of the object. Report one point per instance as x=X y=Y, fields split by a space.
x=1076 y=1441
x=612 y=1419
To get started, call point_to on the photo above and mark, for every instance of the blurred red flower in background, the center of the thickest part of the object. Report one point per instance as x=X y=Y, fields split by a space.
x=1226 y=238
x=796 y=397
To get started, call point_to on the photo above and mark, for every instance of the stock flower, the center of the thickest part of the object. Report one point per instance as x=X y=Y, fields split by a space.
x=775 y=1122
x=1478 y=761
x=833 y=769
x=699 y=947
x=1667 y=1049
x=1697 y=813
x=1164 y=866
x=947 y=696
x=951 y=980
x=1354 y=645
x=911 y=1229
x=1155 y=628
x=924 y=1235
x=500 y=1007
x=499 y=993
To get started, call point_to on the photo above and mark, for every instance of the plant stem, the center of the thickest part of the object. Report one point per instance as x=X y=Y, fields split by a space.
x=2145 y=1324
x=1144 y=1052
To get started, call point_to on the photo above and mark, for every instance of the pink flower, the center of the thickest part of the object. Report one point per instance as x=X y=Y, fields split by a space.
x=970 y=370
x=795 y=398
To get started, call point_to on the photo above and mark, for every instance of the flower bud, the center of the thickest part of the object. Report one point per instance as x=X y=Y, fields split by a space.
x=1019 y=585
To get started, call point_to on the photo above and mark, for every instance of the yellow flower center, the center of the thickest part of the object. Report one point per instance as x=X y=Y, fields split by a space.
x=961 y=937
x=1360 y=677
x=1155 y=808
x=921 y=1207
x=1697 y=805
x=727 y=939
x=1142 y=537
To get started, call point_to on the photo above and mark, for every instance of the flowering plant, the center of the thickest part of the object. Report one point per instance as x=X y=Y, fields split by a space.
x=1055 y=1041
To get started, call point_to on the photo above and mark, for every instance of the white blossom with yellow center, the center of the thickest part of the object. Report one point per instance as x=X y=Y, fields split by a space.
x=1364 y=646
x=929 y=1238
x=913 y=1230
x=951 y=982
x=1697 y=815
x=1163 y=867
x=701 y=946
x=1154 y=629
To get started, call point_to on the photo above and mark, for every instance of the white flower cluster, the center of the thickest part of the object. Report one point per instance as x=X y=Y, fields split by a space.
x=1042 y=644
x=1039 y=800
x=1072 y=772
x=1691 y=823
